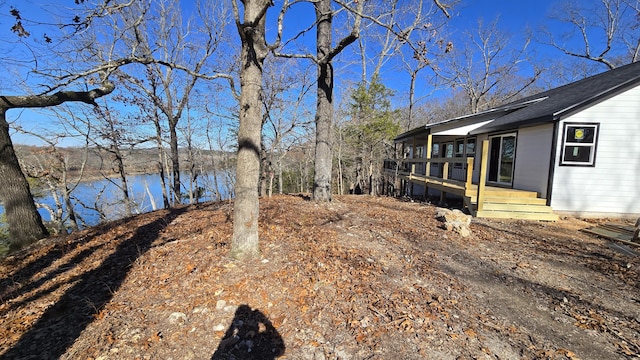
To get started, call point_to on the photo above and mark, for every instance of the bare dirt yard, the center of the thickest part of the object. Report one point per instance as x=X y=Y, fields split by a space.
x=359 y=278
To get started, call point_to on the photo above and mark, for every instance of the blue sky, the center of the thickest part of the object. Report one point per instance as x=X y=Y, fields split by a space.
x=515 y=17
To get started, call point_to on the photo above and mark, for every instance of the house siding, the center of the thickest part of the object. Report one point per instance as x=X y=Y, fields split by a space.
x=612 y=186
x=533 y=158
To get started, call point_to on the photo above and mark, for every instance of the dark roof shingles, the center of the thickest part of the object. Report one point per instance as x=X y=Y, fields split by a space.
x=573 y=96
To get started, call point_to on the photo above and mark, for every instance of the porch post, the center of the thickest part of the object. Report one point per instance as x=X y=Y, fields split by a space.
x=413 y=164
x=467 y=185
x=483 y=175
x=396 y=158
x=401 y=165
x=427 y=165
x=445 y=175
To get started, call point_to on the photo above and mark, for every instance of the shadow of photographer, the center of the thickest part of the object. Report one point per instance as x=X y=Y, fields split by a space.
x=250 y=336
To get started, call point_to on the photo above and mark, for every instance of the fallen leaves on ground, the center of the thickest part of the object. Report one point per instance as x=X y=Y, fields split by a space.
x=357 y=278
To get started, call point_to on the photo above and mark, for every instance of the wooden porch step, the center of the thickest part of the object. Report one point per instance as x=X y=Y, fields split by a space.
x=525 y=208
x=508 y=193
x=512 y=207
x=503 y=193
x=511 y=200
x=517 y=215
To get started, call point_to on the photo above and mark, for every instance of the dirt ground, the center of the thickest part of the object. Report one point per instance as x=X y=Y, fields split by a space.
x=359 y=278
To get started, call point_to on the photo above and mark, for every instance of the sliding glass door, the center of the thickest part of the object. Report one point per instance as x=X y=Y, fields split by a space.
x=501 y=159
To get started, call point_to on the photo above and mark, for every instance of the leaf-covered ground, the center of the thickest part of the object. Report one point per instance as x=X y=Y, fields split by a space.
x=359 y=278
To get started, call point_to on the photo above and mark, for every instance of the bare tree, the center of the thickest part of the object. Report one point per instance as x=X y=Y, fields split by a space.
x=251 y=29
x=110 y=137
x=24 y=222
x=222 y=174
x=398 y=25
x=285 y=116
x=606 y=31
x=53 y=168
x=486 y=67
x=180 y=61
x=193 y=159
x=326 y=51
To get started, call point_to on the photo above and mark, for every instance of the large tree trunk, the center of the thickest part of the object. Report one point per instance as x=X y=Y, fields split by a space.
x=175 y=161
x=324 y=106
x=264 y=168
x=244 y=244
x=23 y=220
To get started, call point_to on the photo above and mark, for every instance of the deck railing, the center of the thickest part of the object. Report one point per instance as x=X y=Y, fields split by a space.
x=437 y=169
x=437 y=173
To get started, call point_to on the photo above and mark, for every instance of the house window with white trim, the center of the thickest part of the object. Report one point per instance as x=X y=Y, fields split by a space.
x=579 y=144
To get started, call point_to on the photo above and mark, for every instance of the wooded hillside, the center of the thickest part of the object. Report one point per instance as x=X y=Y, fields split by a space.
x=360 y=278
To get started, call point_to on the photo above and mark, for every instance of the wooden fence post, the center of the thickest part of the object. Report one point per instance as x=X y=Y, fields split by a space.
x=427 y=165
x=483 y=175
x=467 y=185
x=445 y=176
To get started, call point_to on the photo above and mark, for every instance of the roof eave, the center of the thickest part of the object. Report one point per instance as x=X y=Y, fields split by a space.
x=411 y=133
x=489 y=128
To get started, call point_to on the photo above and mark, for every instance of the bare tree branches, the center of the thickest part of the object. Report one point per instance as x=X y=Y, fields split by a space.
x=487 y=68
x=607 y=33
x=33 y=101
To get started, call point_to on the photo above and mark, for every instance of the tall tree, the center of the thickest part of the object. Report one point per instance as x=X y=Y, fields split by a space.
x=325 y=54
x=413 y=34
x=111 y=135
x=326 y=51
x=24 y=222
x=371 y=131
x=251 y=29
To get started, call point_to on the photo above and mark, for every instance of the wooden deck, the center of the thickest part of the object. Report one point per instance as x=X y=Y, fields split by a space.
x=495 y=202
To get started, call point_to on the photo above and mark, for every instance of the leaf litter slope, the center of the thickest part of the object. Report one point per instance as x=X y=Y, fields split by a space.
x=359 y=278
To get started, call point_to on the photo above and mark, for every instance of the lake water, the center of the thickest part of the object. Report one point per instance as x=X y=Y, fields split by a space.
x=144 y=190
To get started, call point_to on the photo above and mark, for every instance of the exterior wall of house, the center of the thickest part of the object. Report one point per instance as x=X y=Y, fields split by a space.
x=612 y=185
x=533 y=158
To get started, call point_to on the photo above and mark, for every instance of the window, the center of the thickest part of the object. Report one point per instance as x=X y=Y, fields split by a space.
x=435 y=151
x=471 y=147
x=460 y=148
x=579 y=144
x=448 y=150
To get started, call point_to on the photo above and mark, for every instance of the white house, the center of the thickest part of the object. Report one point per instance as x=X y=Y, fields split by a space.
x=575 y=149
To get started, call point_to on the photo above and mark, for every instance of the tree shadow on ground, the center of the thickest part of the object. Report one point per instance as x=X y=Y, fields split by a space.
x=250 y=336
x=61 y=324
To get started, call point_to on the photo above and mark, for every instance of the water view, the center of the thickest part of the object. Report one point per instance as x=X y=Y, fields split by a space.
x=104 y=196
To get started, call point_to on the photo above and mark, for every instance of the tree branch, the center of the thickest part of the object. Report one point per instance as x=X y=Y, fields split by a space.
x=31 y=101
